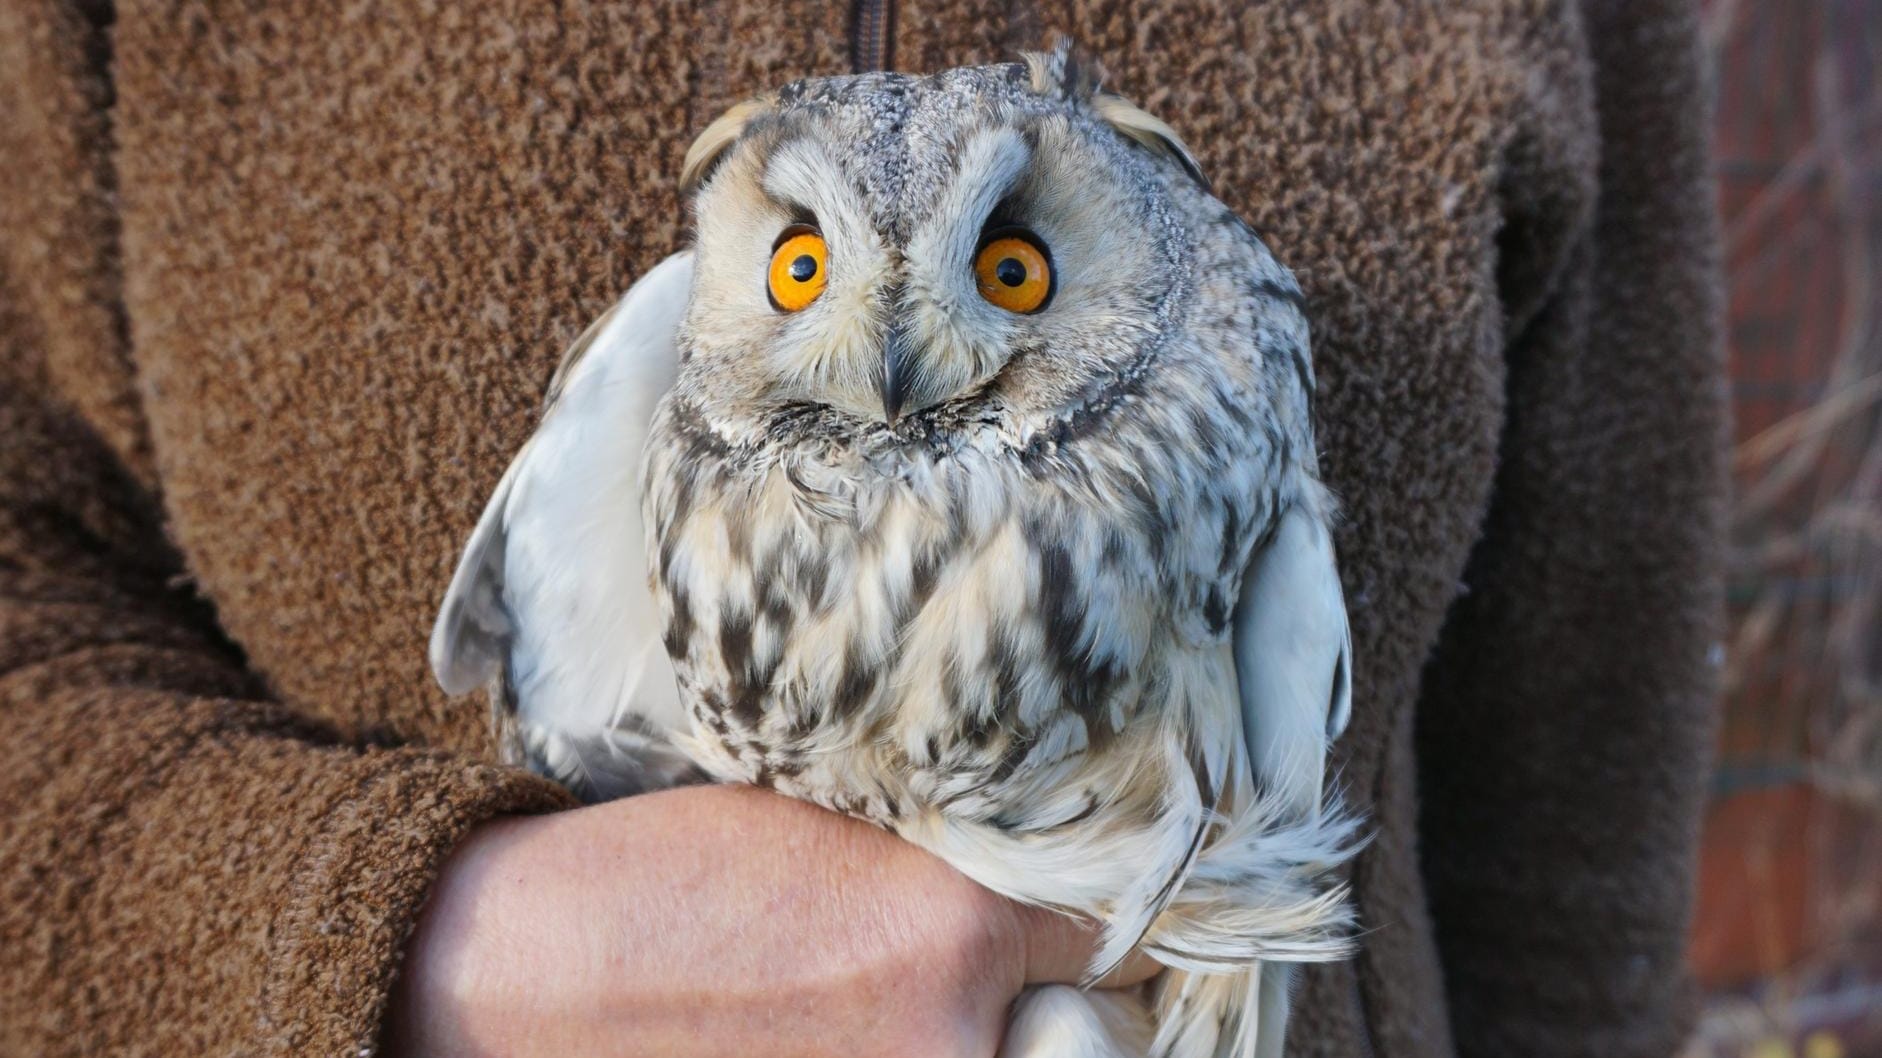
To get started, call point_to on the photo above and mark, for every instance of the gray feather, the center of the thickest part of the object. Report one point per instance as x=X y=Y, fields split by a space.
x=549 y=607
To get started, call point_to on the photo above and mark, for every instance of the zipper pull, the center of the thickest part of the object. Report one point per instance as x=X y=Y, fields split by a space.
x=872 y=35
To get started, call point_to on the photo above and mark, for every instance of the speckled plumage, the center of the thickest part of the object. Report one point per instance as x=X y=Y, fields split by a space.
x=1009 y=624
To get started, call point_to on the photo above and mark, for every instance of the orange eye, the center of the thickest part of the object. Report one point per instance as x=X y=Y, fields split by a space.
x=1014 y=271
x=797 y=272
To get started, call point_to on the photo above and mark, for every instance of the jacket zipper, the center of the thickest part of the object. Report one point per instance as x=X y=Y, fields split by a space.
x=872 y=35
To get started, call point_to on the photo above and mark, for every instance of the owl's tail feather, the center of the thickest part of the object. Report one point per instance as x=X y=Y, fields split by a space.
x=1277 y=986
x=1238 y=1015
x=1227 y=904
x=1205 y=1015
x=1261 y=889
x=1262 y=896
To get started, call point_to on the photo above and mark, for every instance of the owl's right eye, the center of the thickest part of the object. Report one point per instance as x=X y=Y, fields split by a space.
x=797 y=273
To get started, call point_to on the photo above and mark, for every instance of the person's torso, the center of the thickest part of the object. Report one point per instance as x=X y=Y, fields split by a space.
x=355 y=243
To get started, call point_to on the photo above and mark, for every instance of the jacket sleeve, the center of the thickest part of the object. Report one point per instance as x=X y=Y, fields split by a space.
x=185 y=867
x=1565 y=726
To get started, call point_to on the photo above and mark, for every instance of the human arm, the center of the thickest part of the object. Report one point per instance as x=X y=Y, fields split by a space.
x=187 y=865
x=1566 y=720
x=717 y=920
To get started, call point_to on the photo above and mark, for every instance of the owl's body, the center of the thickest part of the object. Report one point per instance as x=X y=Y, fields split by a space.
x=987 y=579
x=973 y=603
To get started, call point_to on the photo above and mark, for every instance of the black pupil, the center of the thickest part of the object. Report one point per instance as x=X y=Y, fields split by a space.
x=1010 y=271
x=803 y=268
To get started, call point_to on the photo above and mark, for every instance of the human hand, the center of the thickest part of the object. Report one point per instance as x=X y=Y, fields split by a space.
x=717 y=920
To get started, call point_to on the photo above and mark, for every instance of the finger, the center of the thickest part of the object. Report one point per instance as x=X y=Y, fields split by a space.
x=1060 y=947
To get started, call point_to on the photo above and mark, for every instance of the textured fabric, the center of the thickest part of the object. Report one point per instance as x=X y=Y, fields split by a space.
x=280 y=286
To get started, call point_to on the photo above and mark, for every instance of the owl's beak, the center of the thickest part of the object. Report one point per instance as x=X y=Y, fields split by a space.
x=898 y=355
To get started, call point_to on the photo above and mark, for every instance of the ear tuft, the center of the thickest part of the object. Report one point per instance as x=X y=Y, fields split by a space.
x=1063 y=71
x=1132 y=121
x=717 y=138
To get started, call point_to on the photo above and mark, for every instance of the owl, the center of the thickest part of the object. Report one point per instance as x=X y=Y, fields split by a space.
x=959 y=478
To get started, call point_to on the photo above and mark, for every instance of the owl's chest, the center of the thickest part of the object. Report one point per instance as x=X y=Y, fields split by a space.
x=873 y=642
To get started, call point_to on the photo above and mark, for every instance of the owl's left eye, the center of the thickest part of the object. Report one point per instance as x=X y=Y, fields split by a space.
x=798 y=271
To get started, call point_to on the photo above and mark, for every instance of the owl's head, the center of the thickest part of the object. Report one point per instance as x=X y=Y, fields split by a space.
x=885 y=245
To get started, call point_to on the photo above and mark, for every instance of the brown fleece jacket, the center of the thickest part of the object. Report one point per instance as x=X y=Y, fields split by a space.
x=280 y=286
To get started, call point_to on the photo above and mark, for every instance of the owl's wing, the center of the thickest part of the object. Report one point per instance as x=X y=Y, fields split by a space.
x=1293 y=662
x=550 y=604
x=1293 y=657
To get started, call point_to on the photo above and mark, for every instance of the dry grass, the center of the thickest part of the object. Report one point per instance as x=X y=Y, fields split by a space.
x=1804 y=658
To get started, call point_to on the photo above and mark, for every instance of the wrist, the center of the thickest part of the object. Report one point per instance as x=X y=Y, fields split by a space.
x=445 y=980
